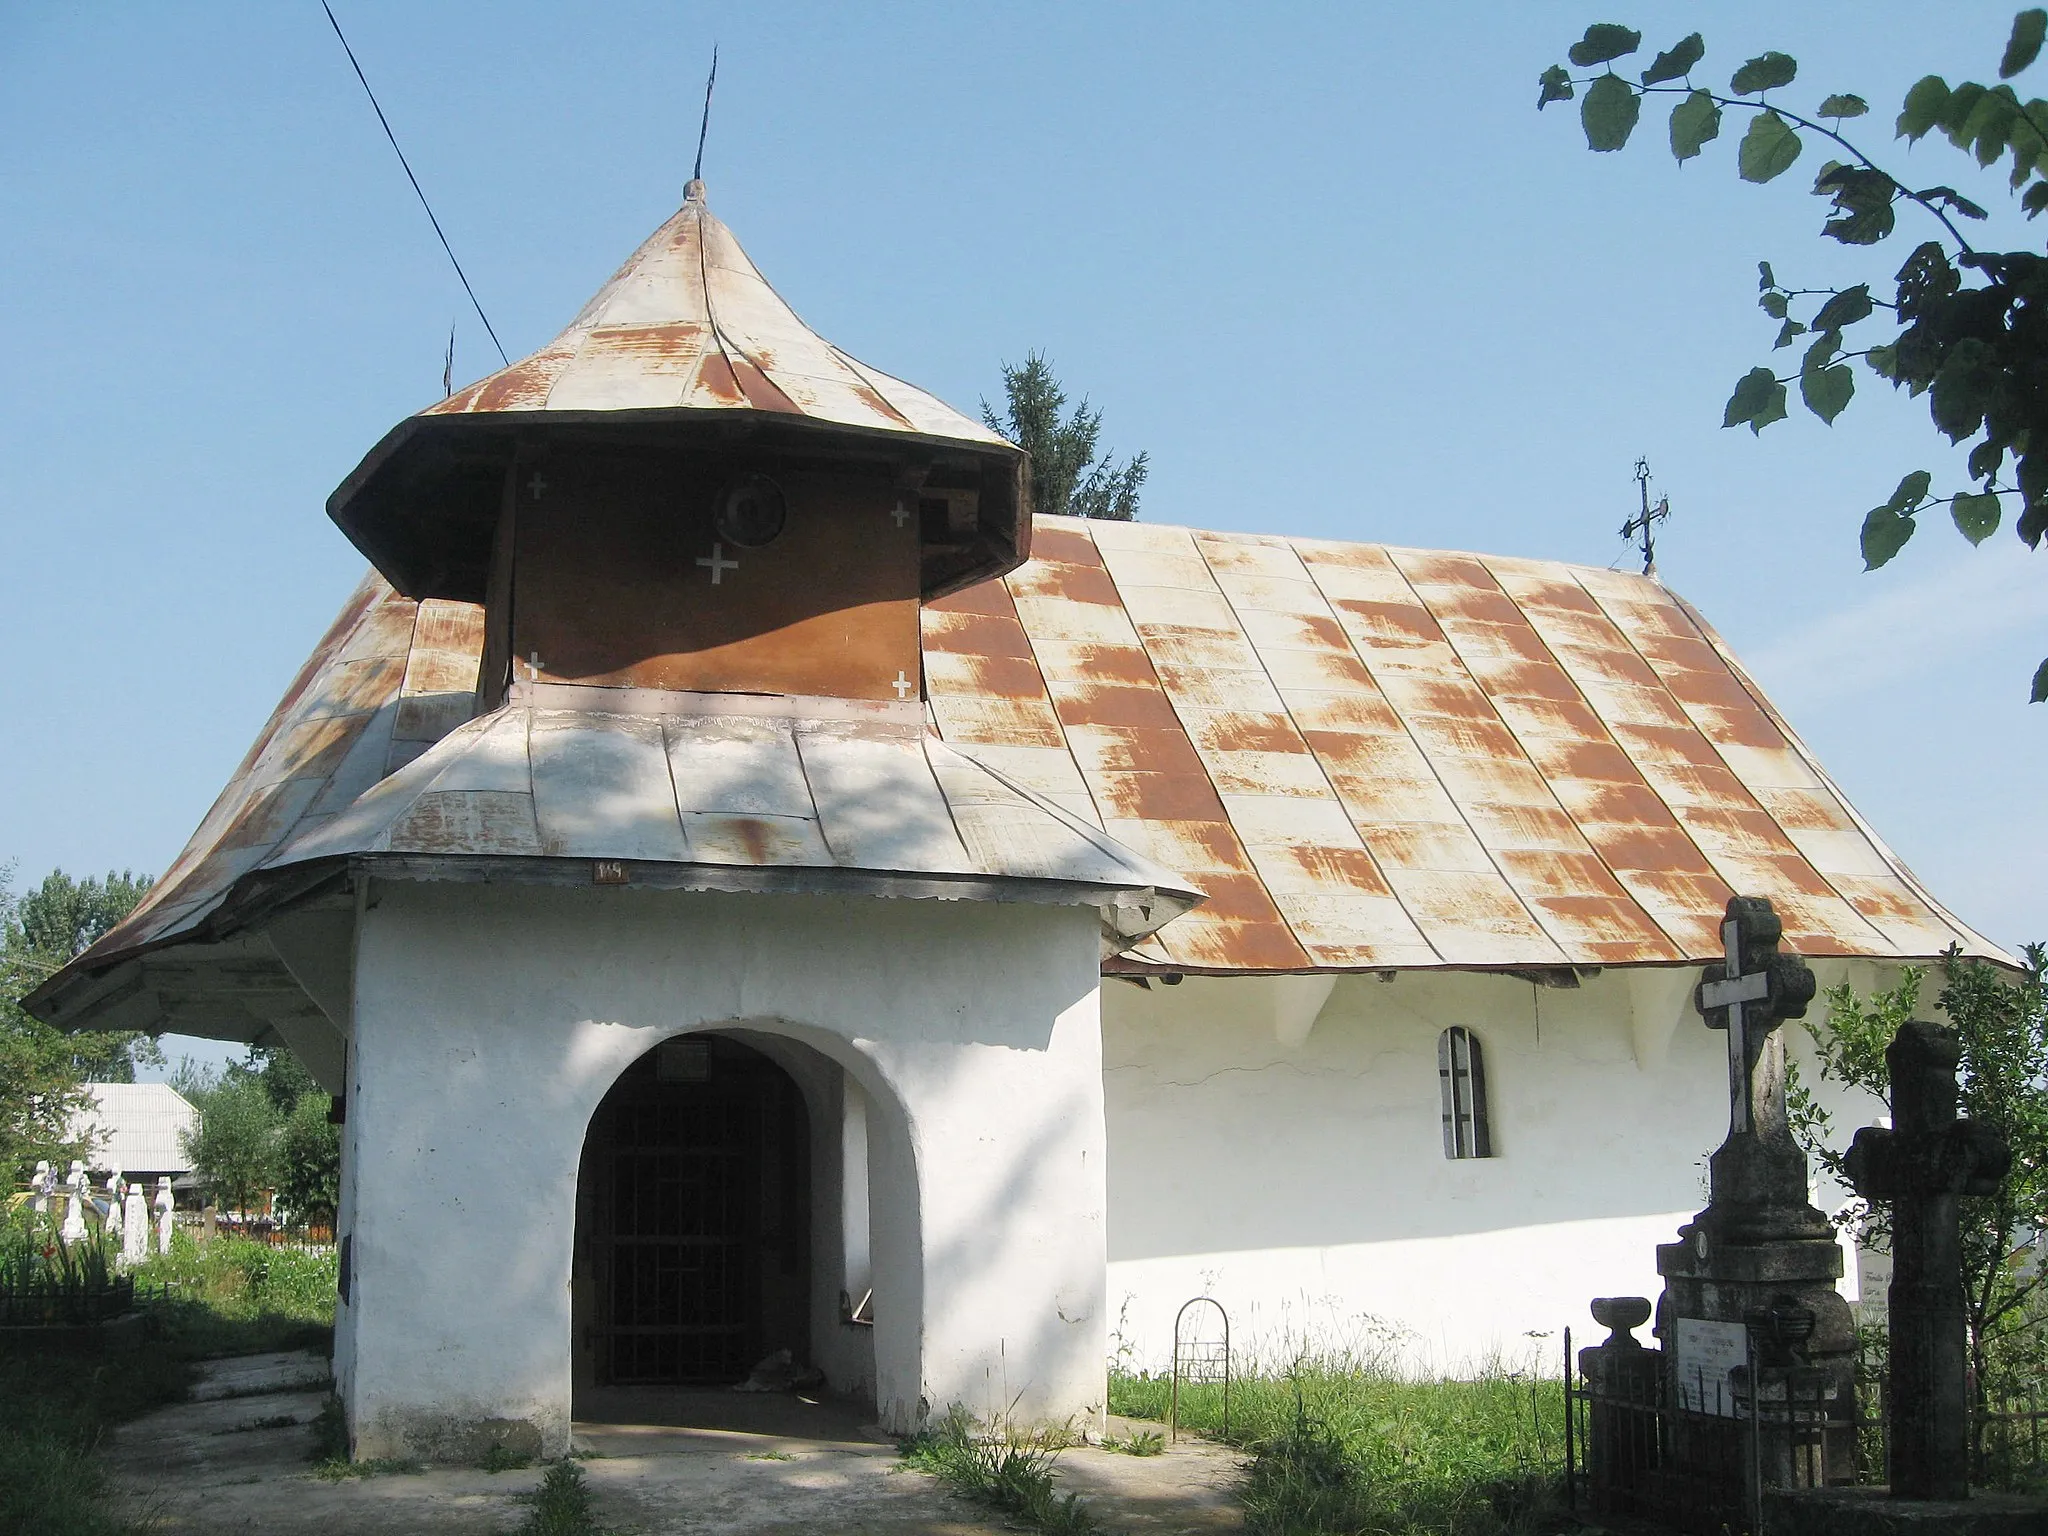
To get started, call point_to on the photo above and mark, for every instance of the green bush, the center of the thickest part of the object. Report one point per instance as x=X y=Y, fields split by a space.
x=1001 y=1466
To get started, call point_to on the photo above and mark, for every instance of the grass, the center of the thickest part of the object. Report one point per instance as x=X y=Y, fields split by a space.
x=562 y=1504
x=1140 y=1442
x=1343 y=1446
x=1001 y=1466
x=57 y=1406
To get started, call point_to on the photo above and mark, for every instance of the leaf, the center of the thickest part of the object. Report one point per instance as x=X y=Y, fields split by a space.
x=1609 y=113
x=1976 y=515
x=1910 y=492
x=1884 y=535
x=1827 y=391
x=1883 y=361
x=2040 y=689
x=1845 y=308
x=1773 y=304
x=1674 y=62
x=1553 y=85
x=2036 y=198
x=1985 y=459
x=1866 y=226
x=1757 y=394
x=1765 y=72
x=1844 y=106
x=1768 y=149
x=1963 y=390
x=1949 y=197
x=1985 y=129
x=2024 y=46
x=2033 y=522
x=1956 y=110
x=1603 y=41
x=1925 y=103
x=1786 y=333
x=1694 y=121
x=1764 y=279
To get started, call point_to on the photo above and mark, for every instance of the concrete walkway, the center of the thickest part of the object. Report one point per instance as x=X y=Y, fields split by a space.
x=234 y=1460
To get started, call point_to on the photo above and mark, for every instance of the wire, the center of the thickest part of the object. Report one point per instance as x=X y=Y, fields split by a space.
x=416 y=183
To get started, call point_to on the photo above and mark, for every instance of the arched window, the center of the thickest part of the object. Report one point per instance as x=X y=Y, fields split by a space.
x=1461 y=1075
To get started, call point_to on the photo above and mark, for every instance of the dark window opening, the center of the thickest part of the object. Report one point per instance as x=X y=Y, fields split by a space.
x=1461 y=1077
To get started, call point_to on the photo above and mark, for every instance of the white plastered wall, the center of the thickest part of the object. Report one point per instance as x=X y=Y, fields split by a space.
x=490 y=1020
x=1294 y=1168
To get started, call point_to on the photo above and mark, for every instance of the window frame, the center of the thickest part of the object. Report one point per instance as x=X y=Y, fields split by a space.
x=1461 y=1086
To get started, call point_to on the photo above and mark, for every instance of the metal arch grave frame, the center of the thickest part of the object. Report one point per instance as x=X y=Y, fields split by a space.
x=1198 y=1362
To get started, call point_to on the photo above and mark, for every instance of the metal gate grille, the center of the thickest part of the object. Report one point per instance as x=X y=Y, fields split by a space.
x=681 y=1285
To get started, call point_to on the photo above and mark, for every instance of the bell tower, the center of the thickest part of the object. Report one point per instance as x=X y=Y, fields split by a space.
x=690 y=492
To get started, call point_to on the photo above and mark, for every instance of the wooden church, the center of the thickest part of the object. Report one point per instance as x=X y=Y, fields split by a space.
x=752 y=886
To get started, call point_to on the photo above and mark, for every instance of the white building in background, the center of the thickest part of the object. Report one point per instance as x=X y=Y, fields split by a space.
x=752 y=886
x=136 y=1129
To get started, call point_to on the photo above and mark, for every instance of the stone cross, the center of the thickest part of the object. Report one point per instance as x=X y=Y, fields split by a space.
x=40 y=1186
x=1750 y=992
x=1922 y=1167
x=115 y=1215
x=166 y=1206
x=74 y=1214
x=135 y=1225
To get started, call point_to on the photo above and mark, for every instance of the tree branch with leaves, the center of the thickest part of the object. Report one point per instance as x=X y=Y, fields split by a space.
x=1972 y=325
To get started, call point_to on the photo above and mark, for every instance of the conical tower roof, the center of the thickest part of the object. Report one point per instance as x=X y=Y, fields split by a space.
x=686 y=337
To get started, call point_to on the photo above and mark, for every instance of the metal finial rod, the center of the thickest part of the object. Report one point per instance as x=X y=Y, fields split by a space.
x=704 y=127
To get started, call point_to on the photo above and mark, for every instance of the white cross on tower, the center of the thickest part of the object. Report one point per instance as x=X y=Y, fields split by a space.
x=900 y=512
x=716 y=563
x=533 y=665
x=537 y=485
x=1734 y=992
x=902 y=685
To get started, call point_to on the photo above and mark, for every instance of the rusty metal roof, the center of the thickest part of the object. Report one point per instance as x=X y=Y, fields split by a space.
x=687 y=333
x=1365 y=757
x=688 y=323
x=1382 y=758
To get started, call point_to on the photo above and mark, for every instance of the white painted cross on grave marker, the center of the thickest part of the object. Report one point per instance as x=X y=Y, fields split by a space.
x=717 y=563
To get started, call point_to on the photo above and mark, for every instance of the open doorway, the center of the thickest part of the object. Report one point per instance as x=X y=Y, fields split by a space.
x=694 y=1220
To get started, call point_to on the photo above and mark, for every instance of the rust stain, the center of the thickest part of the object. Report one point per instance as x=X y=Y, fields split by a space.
x=762 y=392
x=673 y=341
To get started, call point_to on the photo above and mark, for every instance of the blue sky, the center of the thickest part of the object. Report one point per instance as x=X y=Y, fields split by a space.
x=1326 y=263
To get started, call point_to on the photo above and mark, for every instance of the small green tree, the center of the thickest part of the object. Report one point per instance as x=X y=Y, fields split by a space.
x=1971 y=325
x=43 y=1071
x=309 y=1162
x=234 y=1148
x=1065 y=477
x=2002 y=1026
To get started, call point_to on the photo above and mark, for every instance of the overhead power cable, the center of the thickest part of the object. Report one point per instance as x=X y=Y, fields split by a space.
x=386 y=122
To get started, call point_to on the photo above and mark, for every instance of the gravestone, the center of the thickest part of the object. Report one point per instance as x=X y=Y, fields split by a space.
x=166 y=1209
x=1750 y=1318
x=1921 y=1168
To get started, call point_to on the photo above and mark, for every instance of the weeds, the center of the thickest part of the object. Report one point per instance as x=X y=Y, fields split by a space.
x=338 y=1470
x=499 y=1459
x=1003 y=1467
x=1343 y=1444
x=562 y=1505
x=1141 y=1442
x=768 y=1456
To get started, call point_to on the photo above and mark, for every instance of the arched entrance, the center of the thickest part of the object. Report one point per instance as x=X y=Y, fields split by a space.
x=694 y=1220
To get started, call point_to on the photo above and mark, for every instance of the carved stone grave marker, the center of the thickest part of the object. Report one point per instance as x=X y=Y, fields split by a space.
x=1922 y=1168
